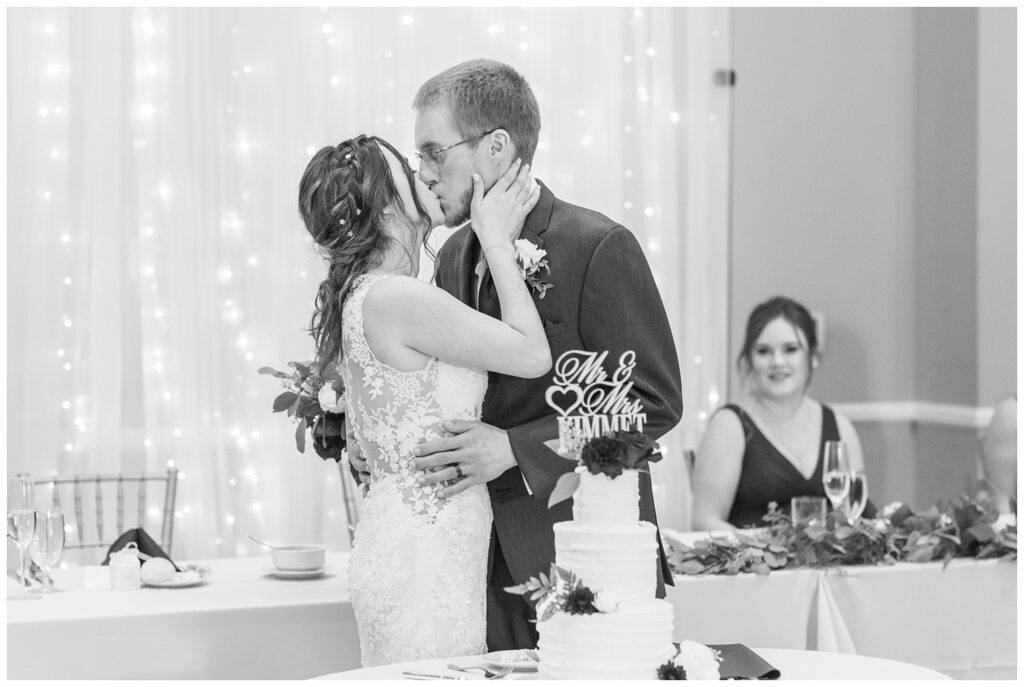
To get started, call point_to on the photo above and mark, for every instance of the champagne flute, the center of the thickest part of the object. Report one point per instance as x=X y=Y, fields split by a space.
x=857 y=499
x=48 y=544
x=836 y=474
x=21 y=524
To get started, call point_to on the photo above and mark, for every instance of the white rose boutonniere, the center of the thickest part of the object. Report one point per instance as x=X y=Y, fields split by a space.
x=531 y=260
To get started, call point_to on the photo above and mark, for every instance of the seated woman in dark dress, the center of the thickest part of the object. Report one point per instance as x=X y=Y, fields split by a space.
x=769 y=445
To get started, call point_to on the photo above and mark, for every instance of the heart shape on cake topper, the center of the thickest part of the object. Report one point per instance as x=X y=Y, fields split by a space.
x=569 y=399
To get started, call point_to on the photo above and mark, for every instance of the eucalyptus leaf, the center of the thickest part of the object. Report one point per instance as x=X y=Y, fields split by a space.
x=284 y=401
x=565 y=487
x=300 y=436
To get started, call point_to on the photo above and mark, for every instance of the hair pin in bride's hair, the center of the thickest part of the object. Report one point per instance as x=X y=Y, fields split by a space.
x=349 y=234
x=348 y=156
x=358 y=212
x=341 y=221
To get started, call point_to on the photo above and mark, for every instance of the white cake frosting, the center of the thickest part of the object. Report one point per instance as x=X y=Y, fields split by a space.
x=603 y=501
x=628 y=644
x=610 y=550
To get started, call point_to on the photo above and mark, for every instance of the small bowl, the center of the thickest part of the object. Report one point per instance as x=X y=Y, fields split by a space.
x=305 y=557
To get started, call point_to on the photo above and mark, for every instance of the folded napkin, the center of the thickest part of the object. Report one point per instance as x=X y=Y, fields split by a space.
x=740 y=663
x=147 y=546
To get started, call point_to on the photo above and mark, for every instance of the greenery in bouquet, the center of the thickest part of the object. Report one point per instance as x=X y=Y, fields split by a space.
x=608 y=454
x=964 y=526
x=313 y=402
x=562 y=591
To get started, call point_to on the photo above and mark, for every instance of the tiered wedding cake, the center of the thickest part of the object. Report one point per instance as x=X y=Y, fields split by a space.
x=598 y=617
x=613 y=554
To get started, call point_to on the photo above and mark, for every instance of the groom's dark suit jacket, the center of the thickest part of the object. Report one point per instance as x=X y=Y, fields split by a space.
x=603 y=298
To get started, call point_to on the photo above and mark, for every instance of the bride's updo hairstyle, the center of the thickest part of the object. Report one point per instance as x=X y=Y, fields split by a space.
x=343 y=196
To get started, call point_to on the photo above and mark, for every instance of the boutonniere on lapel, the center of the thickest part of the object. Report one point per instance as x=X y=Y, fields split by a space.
x=531 y=260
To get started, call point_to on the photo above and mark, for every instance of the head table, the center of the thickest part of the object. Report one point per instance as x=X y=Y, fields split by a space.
x=792 y=665
x=241 y=623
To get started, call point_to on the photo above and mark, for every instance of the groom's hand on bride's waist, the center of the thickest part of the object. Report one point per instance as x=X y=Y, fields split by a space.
x=475 y=454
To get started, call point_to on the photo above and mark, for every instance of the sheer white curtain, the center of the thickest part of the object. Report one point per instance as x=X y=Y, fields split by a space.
x=156 y=259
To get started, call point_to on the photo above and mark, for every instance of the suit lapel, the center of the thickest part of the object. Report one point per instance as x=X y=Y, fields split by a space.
x=539 y=218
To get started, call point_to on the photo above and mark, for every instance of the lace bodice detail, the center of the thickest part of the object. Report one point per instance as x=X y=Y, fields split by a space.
x=393 y=410
x=418 y=567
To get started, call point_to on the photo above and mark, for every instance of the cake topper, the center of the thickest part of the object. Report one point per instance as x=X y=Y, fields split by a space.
x=600 y=427
x=589 y=403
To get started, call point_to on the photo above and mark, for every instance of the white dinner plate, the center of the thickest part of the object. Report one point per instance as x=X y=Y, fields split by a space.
x=294 y=574
x=517 y=659
x=181 y=579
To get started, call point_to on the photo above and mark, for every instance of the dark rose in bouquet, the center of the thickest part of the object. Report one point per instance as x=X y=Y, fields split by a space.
x=328 y=434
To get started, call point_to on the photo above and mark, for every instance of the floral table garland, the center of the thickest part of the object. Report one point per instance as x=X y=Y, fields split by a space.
x=962 y=527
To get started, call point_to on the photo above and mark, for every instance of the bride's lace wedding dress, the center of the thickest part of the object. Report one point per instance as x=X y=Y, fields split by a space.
x=417 y=573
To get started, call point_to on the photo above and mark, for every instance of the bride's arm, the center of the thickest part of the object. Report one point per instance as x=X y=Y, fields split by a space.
x=434 y=323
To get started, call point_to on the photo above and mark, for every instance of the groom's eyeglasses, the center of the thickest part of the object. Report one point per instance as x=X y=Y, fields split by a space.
x=432 y=156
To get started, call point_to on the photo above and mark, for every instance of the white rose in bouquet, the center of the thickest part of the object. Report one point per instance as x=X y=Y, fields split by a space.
x=330 y=400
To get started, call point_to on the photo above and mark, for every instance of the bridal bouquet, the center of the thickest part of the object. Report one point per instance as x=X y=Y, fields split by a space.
x=315 y=403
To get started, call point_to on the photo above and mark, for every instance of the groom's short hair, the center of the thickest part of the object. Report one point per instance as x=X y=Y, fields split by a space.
x=483 y=95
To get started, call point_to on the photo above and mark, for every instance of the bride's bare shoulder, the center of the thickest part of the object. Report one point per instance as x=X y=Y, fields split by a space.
x=399 y=293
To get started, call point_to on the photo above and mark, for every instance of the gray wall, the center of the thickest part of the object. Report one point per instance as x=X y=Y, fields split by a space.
x=871 y=152
x=997 y=204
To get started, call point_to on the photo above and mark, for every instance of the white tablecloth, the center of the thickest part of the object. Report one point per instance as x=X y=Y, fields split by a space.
x=244 y=624
x=960 y=619
x=792 y=664
x=239 y=624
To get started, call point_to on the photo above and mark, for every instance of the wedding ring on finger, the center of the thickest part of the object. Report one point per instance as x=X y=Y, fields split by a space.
x=458 y=471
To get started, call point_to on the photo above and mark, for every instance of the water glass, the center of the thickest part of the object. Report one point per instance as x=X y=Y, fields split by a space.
x=836 y=474
x=808 y=510
x=48 y=544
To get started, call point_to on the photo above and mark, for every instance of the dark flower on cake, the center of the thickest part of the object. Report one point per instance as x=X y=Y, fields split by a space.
x=671 y=671
x=640 y=449
x=580 y=602
x=604 y=454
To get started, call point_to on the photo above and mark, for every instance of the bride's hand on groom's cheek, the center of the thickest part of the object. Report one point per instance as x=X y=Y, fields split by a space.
x=476 y=453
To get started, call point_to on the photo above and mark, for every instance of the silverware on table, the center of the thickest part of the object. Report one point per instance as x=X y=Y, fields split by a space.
x=490 y=675
x=410 y=675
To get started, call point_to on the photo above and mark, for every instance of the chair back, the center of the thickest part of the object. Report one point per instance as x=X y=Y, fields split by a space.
x=99 y=508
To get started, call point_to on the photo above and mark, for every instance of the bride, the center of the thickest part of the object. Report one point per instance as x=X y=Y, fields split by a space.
x=411 y=355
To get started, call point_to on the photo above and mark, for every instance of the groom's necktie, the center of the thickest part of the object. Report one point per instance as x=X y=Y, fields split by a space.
x=488 y=299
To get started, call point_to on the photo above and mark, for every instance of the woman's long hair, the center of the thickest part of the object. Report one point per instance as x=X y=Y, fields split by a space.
x=342 y=198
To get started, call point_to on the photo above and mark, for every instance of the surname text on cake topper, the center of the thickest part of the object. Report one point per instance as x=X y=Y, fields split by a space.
x=588 y=401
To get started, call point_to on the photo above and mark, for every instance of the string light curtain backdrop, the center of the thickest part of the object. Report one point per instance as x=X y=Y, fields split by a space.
x=156 y=258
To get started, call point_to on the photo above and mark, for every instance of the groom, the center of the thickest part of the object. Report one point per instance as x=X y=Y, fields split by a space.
x=480 y=116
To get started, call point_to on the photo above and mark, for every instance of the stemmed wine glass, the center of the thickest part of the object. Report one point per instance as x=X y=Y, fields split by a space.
x=836 y=474
x=48 y=544
x=21 y=524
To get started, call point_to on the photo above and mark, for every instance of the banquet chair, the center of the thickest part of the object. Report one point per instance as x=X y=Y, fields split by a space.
x=99 y=514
